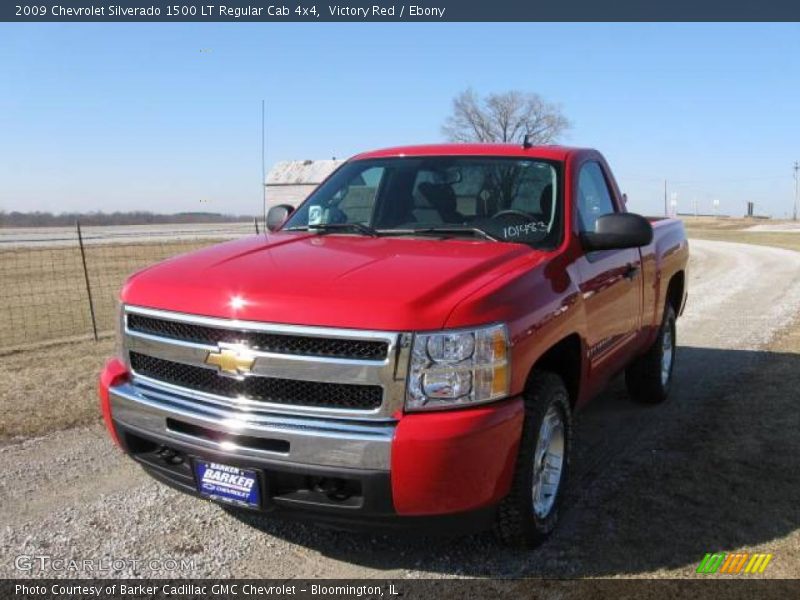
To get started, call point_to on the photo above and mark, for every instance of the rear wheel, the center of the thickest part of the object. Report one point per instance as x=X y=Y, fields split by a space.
x=529 y=513
x=649 y=378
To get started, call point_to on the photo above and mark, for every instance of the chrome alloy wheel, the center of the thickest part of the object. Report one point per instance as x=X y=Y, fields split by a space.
x=548 y=462
x=667 y=351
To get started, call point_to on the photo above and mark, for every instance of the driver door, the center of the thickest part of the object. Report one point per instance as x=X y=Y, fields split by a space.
x=611 y=280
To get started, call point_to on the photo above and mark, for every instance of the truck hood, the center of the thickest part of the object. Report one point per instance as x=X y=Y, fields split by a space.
x=386 y=283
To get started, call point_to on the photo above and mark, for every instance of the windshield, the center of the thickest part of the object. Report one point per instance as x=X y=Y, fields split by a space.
x=506 y=199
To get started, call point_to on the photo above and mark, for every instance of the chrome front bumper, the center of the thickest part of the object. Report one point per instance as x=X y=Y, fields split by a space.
x=156 y=414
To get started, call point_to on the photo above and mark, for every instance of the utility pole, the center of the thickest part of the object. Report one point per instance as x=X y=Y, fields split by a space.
x=263 y=165
x=796 y=187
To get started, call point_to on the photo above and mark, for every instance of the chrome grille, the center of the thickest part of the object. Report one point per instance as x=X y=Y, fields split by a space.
x=297 y=370
x=261 y=389
x=260 y=340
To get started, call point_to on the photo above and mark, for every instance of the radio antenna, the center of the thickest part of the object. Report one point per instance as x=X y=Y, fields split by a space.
x=527 y=142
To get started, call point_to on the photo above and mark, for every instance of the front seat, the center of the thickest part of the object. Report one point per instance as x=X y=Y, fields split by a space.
x=546 y=202
x=443 y=199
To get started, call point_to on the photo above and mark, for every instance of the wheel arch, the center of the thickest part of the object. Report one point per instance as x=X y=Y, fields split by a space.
x=676 y=289
x=565 y=359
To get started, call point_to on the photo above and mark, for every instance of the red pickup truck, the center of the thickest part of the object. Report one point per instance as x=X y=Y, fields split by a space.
x=411 y=342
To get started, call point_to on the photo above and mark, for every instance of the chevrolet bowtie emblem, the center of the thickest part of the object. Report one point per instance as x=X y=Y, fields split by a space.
x=233 y=361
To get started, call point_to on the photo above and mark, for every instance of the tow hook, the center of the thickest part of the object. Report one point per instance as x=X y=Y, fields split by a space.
x=170 y=456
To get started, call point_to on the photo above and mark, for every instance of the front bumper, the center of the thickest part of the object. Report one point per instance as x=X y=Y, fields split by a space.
x=244 y=436
x=442 y=463
x=289 y=488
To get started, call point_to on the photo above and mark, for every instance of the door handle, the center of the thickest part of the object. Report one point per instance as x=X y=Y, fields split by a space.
x=630 y=271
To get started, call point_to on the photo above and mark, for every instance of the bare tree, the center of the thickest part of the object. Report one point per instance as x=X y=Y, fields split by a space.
x=505 y=117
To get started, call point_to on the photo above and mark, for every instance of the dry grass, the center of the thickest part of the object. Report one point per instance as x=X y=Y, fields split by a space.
x=790 y=241
x=50 y=389
x=43 y=294
x=734 y=230
x=721 y=223
x=43 y=290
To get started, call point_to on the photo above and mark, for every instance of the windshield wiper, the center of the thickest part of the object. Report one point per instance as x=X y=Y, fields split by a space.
x=473 y=231
x=367 y=230
x=331 y=227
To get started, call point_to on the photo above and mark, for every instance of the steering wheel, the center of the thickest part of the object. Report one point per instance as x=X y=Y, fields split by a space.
x=515 y=212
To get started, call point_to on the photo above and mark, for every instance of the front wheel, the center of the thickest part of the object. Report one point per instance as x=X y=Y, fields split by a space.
x=649 y=377
x=527 y=516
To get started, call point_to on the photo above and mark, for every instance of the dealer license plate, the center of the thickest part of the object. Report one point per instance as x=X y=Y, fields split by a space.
x=227 y=484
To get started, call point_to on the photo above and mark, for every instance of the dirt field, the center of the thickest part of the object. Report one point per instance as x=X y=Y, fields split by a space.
x=759 y=238
x=653 y=489
x=28 y=379
x=718 y=223
x=741 y=230
x=43 y=292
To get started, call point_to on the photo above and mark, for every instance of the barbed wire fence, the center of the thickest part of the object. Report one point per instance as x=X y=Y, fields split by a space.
x=63 y=283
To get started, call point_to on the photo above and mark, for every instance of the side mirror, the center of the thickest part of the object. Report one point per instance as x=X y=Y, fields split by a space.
x=617 y=231
x=277 y=215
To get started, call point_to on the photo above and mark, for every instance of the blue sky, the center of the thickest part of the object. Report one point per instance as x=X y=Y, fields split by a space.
x=167 y=117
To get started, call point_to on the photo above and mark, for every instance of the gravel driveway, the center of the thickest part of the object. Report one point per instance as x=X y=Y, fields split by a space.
x=73 y=495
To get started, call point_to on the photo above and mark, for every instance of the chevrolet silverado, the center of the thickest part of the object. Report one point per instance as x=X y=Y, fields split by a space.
x=411 y=342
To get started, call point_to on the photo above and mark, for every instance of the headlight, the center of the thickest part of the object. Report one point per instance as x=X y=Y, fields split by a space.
x=459 y=367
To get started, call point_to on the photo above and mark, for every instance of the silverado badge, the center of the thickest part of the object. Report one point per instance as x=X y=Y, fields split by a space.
x=231 y=361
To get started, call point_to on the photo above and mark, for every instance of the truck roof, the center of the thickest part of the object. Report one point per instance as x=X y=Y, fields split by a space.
x=516 y=150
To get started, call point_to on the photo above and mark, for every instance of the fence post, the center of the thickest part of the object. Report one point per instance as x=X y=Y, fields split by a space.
x=86 y=278
x=255 y=222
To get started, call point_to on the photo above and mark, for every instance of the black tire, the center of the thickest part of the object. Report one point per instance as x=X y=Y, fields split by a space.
x=644 y=378
x=517 y=524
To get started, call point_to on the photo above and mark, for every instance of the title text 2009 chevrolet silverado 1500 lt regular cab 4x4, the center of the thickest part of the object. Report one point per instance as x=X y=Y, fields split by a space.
x=411 y=341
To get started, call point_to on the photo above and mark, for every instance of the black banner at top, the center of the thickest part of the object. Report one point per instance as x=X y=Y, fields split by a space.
x=311 y=11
